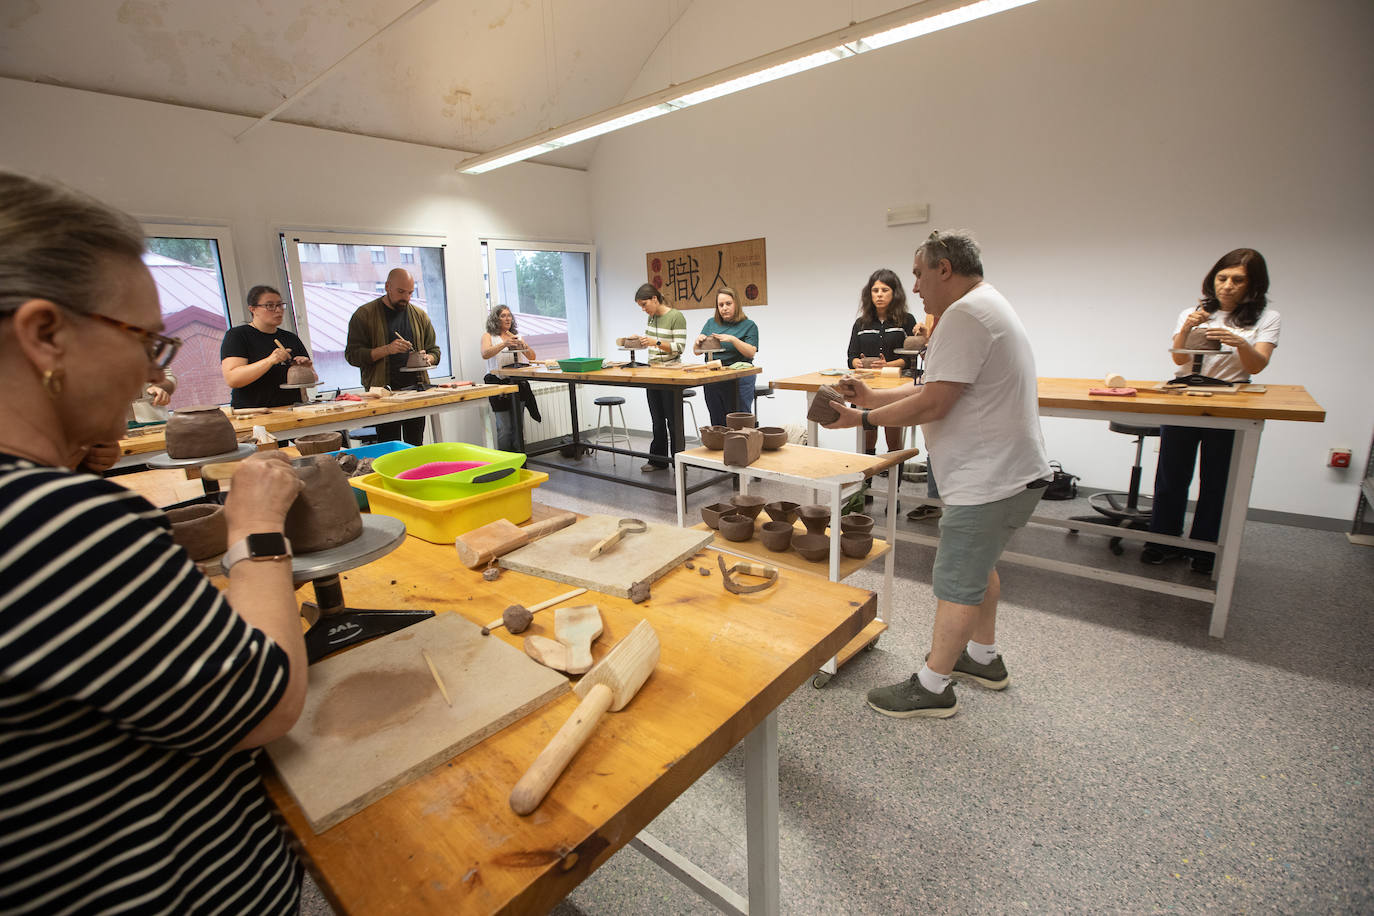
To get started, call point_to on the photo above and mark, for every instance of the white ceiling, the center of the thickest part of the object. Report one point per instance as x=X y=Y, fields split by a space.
x=468 y=75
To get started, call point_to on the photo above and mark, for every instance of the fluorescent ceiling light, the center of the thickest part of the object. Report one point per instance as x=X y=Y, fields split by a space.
x=879 y=32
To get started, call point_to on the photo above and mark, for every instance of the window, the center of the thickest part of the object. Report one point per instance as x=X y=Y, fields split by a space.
x=332 y=275
x=193 y=267
x=549 y=288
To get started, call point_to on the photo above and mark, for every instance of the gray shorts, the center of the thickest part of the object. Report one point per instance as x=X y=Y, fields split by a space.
x=971 y=540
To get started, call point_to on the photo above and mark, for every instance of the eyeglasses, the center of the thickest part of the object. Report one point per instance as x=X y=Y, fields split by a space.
x=271 y=306
x=161 y=350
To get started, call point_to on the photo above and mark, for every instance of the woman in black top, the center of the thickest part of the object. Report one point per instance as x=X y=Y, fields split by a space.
x=880 y=330
x=252 y=363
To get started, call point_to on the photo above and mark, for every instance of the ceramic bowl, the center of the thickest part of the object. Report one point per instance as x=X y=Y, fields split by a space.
x=812 y=546
x=318 y=443
x=814 y=517
x=736 y=527
x=713 y=436
x=856 y=544
x=782 y=511
x=740 y=420
x=747 y=505
x=862 y=524
x=776 y=536
x=773 y=437
x=711 y=514
x=199 y=529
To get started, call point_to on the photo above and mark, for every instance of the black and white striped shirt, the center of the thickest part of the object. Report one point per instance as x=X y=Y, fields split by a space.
x=125 y=678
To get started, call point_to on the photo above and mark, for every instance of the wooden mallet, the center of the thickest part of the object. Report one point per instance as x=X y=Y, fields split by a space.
x=482 y=545
x=610 y=685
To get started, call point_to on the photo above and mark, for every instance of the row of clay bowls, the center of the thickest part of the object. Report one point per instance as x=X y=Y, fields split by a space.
x=713 y=437
x=735 y=521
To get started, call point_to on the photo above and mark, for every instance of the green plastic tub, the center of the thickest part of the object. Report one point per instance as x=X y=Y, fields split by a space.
x=581 y=364
x=499 y=470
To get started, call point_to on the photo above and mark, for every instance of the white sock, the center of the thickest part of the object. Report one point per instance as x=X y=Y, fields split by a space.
x=935 y=683
x=980 y=653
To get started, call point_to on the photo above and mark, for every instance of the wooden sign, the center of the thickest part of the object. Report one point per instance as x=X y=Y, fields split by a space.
x=689 y=278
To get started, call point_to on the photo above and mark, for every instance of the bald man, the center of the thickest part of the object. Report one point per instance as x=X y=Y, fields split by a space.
x=381 y=335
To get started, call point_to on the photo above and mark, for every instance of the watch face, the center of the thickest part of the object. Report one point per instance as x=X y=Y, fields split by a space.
x=266 y=545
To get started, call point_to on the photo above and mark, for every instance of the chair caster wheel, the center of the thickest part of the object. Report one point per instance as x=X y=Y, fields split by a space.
x=1116 y=547
x=821 y=679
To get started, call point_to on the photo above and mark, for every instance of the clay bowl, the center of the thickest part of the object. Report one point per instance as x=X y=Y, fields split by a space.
x=814 y=517
x=711 y=514
x=747 y=505
x=316 y=443
x=736 y=527
x=861 y=524
x=812 y=546
x=782 y=511
x=773 y=437
x=776 y=536
x=856 y=544
x=713 y=436
x=740 y=420
x=1197 y=340
x=200 y=530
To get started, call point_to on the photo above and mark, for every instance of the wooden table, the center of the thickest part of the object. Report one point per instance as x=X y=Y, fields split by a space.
x=291 y=422
x=449 y=843
x=811 y=383
x=675 y=381
x=837 y=474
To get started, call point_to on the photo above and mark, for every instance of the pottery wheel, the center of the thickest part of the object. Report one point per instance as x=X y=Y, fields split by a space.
x=167 y=461
x=381 y=535
x=314 y=384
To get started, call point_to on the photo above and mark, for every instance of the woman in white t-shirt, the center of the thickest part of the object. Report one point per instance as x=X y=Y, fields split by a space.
x=503 y=348
x=1233 y=313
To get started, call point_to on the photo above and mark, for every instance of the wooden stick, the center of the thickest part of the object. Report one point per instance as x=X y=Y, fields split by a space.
x=534 y=609
x=437 y=679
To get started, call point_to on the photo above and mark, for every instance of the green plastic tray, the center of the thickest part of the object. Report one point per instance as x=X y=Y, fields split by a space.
x=581 y=364
x=497 y=473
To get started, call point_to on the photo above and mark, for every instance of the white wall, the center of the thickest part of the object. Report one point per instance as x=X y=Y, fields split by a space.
x=1104 y=153
x=167 y=163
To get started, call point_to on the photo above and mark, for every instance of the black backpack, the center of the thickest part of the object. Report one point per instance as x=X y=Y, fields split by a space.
x=1063 y=485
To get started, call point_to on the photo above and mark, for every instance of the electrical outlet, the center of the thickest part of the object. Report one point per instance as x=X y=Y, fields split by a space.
x=1338 y=458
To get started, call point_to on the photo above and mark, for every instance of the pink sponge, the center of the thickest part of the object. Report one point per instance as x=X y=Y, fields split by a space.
x=438 y=469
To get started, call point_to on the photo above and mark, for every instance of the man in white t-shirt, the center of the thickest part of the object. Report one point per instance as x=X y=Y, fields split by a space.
x=979 y=413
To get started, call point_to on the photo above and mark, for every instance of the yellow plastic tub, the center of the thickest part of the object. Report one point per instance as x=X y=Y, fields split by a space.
x=440 y=521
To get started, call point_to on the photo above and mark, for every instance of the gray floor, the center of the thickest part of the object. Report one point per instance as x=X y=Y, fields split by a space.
x=1135 y=765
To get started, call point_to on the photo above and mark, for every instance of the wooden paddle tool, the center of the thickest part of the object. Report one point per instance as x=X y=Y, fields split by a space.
x=610 y=685
x=625 y=526
x=482 y=545
x=576 y=628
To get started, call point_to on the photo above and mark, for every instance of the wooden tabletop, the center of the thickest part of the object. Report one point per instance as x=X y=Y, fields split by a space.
x=646 y=375
x=1276 y=402
x=811 y=381
x=449 y=842
x=286 y=419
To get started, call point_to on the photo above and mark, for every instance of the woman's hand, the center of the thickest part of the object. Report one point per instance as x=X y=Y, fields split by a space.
x=161 y=397
x=99 y=457
x=1195 y=318
x=264 y=488
x=1227 y=336
x=301 y=360
x=280 y=355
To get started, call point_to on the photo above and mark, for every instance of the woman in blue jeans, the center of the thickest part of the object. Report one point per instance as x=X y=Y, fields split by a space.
x=1233 y=314
x=739 y=338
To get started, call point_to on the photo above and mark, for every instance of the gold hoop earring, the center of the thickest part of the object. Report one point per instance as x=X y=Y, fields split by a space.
x=52 y=382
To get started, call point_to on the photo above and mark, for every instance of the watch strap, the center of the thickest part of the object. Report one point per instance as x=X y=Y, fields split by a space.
x=246 y=549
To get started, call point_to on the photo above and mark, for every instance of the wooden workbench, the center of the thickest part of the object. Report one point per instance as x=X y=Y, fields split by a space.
x=449 y=843
x=291 y=422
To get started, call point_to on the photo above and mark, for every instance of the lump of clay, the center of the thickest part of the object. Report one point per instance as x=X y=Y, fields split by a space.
x=198 y=432
x=417 y=360
x=915 y=342
x=301 y=375
x=1197 y=340
x=325 y=514
x=743 y=447
x=200 y=530
x=823 y=405
x=712 y=342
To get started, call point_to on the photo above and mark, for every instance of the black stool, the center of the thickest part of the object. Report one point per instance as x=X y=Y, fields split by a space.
x=1129 y=509
x=765 y=392
x=610 y=404
x=686 y=394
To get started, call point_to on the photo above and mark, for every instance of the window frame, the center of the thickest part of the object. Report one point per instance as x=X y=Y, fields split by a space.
x=489 y=244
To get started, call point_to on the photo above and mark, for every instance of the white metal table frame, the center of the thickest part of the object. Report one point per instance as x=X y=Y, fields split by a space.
x=836 y=488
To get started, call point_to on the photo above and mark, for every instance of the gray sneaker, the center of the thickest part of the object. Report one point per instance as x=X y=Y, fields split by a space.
x=909 y=699
x=993 y=675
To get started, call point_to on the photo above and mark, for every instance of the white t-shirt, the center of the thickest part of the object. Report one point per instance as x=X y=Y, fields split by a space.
x=989 y=445
x=504 y=359
x=1226 y=365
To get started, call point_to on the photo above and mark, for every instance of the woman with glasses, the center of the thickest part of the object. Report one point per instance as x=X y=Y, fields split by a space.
x=132 y=691
x=254 y=357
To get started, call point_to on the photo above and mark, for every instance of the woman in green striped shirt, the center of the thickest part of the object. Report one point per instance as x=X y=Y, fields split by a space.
x=665 y=337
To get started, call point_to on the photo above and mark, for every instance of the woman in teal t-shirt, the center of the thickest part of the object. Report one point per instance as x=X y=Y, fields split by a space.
x=740 y=338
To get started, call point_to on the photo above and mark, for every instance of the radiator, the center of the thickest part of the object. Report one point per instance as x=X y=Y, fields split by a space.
x=552 y=398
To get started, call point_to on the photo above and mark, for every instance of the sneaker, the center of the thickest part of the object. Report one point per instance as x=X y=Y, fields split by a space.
x=1203 y=563
x=909 y=699
x=993 y=675
x=923 y=513
x=1155 y=555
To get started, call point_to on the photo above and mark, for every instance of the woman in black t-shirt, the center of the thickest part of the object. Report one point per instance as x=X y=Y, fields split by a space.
x=880 y=330
x=250 y=360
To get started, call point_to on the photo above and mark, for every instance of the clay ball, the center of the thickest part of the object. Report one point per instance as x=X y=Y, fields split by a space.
x=517 y=618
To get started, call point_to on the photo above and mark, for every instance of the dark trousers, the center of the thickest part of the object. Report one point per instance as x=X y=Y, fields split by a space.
x=412 y=431
x=1178 y=450
x=661 y=412
x=720 y=398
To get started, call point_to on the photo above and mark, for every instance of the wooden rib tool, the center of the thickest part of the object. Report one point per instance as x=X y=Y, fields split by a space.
x=610 y=685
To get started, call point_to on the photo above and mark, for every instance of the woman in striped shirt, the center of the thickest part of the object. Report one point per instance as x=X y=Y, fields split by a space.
x=665 y=337
x=132 y=692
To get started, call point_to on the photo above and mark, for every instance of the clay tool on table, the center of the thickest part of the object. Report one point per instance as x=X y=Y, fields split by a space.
x=610 y=685
x=437 y=679
x=625 y=526
x=576 y=628
x=482 y=545
x=516 y=618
